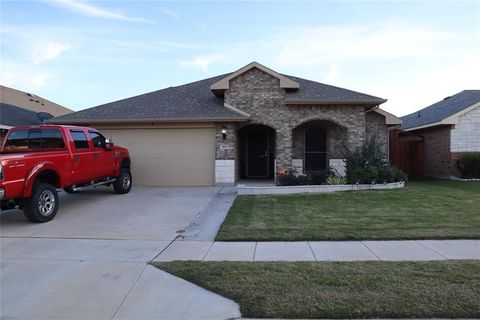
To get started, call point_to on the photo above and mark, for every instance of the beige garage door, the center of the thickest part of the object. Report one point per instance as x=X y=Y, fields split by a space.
x=168 y=157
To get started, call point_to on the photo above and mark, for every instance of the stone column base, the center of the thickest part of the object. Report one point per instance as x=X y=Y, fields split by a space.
x=224 y=172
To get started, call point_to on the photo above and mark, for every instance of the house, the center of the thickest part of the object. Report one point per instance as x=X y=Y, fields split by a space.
x=19 y=108
x=447 y=128
x=243 y=125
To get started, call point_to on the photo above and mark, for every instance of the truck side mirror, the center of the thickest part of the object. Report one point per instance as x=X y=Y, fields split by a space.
x=108 y=145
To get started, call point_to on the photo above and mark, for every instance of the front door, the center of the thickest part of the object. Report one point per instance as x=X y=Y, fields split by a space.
x=257 y=154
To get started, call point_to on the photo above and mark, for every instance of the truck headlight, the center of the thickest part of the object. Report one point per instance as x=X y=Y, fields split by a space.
x=1 y=172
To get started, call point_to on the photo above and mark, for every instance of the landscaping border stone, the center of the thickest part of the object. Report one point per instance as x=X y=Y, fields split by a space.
x=272 y=190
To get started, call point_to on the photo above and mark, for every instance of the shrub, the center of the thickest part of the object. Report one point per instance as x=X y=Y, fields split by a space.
x=367 y=164
x=399 y=175
x=469 y=165
x=386 y=174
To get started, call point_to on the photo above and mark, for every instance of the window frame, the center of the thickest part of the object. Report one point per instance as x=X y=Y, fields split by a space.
x=101 y=135
x=86 y=139
x=28 y=138
x=323 y=153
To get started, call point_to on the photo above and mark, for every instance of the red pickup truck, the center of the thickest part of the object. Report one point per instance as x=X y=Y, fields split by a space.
x=35 y=161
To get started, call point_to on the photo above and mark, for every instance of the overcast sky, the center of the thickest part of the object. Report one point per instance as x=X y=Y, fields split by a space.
x=85 y=53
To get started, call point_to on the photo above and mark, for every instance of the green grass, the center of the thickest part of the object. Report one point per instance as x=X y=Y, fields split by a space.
x=434 y=289
x=431 y=209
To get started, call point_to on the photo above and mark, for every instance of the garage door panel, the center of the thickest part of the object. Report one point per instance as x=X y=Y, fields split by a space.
x=168 y=156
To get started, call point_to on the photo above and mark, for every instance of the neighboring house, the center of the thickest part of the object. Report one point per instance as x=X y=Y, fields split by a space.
x=19 y=108
x=447 y=128
x=241 y=125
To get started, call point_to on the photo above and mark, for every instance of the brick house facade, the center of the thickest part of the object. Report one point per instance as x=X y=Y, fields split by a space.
x=246 y=124
x=447 y=128
x=258 y=94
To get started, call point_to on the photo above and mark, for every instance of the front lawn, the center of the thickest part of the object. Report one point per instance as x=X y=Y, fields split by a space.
x=433 y=289
x=431 y=209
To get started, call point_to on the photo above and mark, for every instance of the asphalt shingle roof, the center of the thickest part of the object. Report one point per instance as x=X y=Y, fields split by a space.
x=30 y=102
x=442 y=109
x=312 y=90
x=14 y=116
x=196 y=101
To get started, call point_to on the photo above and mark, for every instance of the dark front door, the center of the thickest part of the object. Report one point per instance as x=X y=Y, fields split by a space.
x=257 y=154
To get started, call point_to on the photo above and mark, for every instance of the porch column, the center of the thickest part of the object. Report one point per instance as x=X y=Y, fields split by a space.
x=225 y=154
x=283 y=149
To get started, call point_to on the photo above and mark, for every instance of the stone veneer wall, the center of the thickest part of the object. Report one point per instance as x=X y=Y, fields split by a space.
x=465 y=136
x=259 y=94
x=375 y=124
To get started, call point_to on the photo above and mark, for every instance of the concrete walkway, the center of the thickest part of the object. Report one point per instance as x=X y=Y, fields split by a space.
x=206 y=225
x=98 y=279
x=410 y=250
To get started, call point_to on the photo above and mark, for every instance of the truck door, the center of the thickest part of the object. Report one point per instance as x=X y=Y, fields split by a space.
x=104 y=160
x=82 y=157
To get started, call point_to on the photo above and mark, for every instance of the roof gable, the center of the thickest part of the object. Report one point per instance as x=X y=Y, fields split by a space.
x=442 y=112
x=224 y=83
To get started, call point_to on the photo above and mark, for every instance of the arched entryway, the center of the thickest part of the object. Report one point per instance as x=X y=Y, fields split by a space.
x=256 y=152
x=316 y=143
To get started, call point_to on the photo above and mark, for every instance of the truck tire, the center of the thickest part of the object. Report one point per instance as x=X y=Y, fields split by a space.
x=123 y=184
x=69 y=190
x=42 y=206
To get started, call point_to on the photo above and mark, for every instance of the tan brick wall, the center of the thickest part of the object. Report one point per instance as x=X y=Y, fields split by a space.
x=375 y=124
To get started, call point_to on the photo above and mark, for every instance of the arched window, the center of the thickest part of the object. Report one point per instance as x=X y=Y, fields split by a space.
x=315 y=149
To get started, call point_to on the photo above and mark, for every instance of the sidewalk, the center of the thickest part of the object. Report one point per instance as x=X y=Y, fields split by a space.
x=408 y=250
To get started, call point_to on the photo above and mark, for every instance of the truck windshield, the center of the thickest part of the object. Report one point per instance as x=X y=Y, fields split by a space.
x=37 y=139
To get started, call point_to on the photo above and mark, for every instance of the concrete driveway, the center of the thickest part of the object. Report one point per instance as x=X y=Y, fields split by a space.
x=91 y=261
x=146 y=213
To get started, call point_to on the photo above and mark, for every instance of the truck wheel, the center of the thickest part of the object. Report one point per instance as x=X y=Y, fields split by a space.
x=68 y=190
x=42 y=206
x=123 y=184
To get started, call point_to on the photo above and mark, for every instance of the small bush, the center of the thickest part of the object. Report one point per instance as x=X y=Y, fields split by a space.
x=399 y=175
x=469 y=165
x=335 y=180
x=290 y=178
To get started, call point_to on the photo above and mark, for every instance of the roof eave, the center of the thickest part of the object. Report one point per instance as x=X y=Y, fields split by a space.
x=431 y=124
x=146 y=120
x=372 y=102
x=390 y=119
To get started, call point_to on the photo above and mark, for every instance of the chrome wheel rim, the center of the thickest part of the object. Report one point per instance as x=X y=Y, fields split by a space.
x=46 y=203
x=126 y=181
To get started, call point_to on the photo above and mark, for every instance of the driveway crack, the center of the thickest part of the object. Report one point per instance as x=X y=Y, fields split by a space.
x=128 y=293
